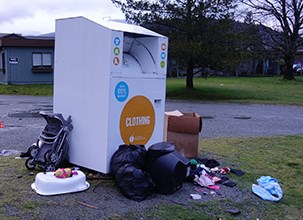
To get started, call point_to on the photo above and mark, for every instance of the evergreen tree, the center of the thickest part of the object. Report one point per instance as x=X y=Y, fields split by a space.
x=198 y=30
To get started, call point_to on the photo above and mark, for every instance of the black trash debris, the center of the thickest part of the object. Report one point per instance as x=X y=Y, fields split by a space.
x=127 y=166
x=167 y=167
x=128 y=154
x=134 y=183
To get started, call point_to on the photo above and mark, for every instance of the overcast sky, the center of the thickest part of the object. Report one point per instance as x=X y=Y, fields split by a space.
x=33 y=17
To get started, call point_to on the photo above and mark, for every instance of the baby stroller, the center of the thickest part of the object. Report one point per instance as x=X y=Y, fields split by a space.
x=51 y=148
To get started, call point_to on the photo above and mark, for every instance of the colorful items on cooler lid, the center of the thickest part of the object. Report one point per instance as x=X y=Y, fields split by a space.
x=64 y=173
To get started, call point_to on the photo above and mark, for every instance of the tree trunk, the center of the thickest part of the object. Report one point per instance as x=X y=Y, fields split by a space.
x=288 y=75
x=288 y=71
x=190 y=75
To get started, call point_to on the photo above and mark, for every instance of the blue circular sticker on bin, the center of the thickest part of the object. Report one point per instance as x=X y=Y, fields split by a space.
x=121 y=91
x=117 y=41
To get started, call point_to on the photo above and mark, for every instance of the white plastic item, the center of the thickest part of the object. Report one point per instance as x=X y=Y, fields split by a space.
x=195 y=196
x=47 y=184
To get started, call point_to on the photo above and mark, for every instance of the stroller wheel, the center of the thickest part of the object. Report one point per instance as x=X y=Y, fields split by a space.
x=30 y=163
x=50 y=167
x=47 y=156
x=53 y=157
x=34 y=151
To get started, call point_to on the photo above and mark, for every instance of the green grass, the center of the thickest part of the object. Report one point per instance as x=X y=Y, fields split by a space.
x=35 y=90
x=280 y=157
x=270 y=90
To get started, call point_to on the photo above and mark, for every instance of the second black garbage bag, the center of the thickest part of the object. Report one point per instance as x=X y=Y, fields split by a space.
x=127 y=166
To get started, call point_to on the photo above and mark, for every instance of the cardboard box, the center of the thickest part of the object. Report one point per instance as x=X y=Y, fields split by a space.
x=183 y=130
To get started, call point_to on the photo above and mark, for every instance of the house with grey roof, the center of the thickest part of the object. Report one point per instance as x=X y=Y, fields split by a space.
x=26 y=59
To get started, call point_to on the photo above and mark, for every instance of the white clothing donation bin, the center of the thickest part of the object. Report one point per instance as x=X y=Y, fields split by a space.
x=111 y=78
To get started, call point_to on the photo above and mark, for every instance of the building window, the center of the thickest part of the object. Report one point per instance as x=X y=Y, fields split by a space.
x=42 y=62
x=2 y=63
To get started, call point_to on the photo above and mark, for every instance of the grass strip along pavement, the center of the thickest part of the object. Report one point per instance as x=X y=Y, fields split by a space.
x=267 y=90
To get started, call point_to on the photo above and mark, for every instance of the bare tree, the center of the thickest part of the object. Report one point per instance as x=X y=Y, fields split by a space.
x=286 y=18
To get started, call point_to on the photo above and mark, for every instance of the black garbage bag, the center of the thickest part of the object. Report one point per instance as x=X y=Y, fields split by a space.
x=128 y=154
x=134 y=183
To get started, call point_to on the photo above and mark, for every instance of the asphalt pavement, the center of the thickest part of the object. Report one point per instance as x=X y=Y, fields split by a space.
x=23 y=123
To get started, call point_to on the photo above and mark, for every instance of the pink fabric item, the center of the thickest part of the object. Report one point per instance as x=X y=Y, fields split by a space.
x=214 y=187
x=216 y=179
x=206 y=181
x=203 y=180
x=64 y=173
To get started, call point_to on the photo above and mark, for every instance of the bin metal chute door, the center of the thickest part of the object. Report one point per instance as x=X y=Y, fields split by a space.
x=144 y=56
x=131 y=65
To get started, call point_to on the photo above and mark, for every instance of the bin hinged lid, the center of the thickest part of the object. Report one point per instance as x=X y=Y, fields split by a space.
x=130 y=28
